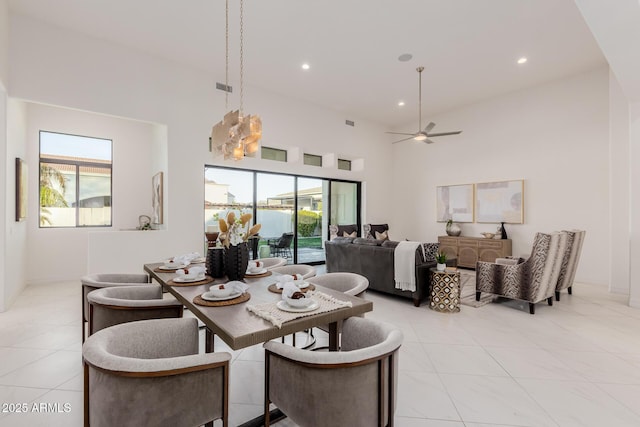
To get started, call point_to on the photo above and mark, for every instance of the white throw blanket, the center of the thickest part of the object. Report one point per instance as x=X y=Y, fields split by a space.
x=404 y=265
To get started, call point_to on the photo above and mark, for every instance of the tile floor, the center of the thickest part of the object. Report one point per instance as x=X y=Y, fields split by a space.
x=574 y=364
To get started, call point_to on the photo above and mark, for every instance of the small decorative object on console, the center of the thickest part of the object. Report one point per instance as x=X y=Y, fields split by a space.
x=452 y=228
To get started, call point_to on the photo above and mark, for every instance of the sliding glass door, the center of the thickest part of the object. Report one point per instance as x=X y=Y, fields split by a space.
x=294 y=211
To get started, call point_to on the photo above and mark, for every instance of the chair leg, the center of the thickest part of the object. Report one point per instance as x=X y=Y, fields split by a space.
x=478 y=296
x=569 y=290
x=532 y=308
x=550 y=300
x=557 y=295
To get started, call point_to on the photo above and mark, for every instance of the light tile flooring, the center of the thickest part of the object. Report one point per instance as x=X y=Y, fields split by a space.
x=574 y=364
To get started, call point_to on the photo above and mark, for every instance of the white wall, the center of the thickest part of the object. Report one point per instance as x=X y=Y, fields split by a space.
x=4 y=42
x=554 y=136
x=16 y=237
x=95 y=75
x=619 y=164
x=634 y=184
x=4 y=184
x=61 y=254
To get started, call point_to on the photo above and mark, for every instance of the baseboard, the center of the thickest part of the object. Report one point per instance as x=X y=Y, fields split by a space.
x=634 y=302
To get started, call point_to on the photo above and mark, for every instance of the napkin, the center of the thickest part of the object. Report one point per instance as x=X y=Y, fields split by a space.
x=256 y=264
x=287 y=278
x=236 y=286
x=288 y=289
x=192 y=271
x=186 y=258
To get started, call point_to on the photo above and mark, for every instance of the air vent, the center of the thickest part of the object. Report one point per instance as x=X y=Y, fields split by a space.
x=224 y=87
x=350 y=123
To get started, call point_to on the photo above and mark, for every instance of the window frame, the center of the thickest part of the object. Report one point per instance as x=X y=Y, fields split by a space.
x=77 y=165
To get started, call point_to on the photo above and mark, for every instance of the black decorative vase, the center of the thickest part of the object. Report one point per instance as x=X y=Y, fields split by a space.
x=503 y=232
x=236 y=260
x=215 y=262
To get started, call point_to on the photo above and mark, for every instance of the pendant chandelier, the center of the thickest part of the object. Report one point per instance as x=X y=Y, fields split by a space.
x=237 y=135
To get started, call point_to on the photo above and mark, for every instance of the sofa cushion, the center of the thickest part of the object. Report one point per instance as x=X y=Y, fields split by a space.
x=343 y=240
x=370 y=242
x=345 y=234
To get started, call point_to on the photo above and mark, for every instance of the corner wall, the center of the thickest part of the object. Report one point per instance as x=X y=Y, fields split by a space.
x=554 y=136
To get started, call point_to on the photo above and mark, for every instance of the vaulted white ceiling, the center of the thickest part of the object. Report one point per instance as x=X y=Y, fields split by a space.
x=469 y=47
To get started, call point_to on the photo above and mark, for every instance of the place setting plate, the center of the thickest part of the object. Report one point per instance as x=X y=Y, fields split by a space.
x=171 y=268
x=183 y=281
x=304 y=287
x=260 y=273
x=207 y=300
x=282 y=305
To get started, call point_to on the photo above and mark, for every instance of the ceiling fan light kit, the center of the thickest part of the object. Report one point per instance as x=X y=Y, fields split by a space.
x=422 y=135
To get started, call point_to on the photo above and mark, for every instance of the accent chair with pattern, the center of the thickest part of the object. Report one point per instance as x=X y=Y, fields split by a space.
x=570 y=261
x=533 y=280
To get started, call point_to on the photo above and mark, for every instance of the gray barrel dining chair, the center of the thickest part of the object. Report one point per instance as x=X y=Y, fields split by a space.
x=122 y=304
x=306 y=271
x=92 y=282
x=272 y=262
x=149 y=373
x=353 y=387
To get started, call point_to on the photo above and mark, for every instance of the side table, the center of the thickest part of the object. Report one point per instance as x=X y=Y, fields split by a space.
x=445 y=291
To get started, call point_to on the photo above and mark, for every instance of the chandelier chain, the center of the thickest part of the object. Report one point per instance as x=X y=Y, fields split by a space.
x=241 y=55
x=226 y=56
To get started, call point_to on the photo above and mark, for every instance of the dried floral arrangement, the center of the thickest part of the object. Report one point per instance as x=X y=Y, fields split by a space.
x=235 y=230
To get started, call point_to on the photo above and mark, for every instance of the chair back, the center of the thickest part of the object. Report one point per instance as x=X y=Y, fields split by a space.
x=285 y=240
x=306 y=271
x=272 y=262
x=544 y=264
x=571 y=259
x=349 y=283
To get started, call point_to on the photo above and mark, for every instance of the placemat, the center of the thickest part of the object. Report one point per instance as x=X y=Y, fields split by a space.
x=257 y=276
x=273 y=288
x=238 y=300
x=206 y=280
x=273 y=314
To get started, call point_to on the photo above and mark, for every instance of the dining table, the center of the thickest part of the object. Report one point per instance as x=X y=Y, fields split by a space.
x=238 y=327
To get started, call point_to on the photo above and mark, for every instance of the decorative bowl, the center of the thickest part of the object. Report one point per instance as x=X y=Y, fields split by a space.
x=220 y=291
x=298 y=303
x=489 y=235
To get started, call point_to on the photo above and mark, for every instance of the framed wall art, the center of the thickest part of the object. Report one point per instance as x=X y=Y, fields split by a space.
x=501 y=201
x=21 y=189
x=157 y=198
x=455 y=202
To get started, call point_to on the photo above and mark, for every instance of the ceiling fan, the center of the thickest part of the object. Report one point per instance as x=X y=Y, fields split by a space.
x=422 y=135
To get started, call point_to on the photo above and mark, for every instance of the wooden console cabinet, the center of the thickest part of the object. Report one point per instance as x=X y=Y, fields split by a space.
x=469 y=250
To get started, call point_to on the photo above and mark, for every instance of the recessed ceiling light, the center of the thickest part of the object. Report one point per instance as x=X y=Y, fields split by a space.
x=522 y=60
x=405 y=57
x=401 y=104
x=305 y=66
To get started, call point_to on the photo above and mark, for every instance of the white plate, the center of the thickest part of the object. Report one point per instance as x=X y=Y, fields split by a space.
x=282 y=305
x=185 y=280
x=200 y=260
x=177 y=267
x=256 y=273
x=208 y=297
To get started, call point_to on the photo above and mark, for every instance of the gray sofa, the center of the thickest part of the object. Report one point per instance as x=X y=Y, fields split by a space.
x=374 y=259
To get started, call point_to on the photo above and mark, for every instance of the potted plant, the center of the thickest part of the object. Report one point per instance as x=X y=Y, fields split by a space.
x=441 y=259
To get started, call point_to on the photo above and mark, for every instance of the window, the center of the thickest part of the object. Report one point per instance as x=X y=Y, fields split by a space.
x=277 y=154
x=344 y=164
x=75 y=181
x=312 y=160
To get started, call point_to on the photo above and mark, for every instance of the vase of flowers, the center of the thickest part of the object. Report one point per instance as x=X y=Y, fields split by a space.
x=234 y=233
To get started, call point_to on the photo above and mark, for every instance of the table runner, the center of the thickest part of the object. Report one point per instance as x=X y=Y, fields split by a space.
x=277 y=317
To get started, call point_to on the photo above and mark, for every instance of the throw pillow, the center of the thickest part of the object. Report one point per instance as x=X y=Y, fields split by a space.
x=430 y=250
x=345 y=234
x=382 y=236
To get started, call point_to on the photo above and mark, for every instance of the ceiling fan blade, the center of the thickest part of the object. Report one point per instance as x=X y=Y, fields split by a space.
x=428 y=141
x=406 y=139
x=400 y=133
x=444 y=133
x=428 y=127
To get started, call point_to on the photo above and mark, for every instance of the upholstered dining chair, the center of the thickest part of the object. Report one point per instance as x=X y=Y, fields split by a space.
x=149 y=373
x=273 y=262
x=355 y=386
x=533 y=280
x=348 y=283
x=121 y=304
x=92 y=282
x=570 y=261
x=306 y=271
